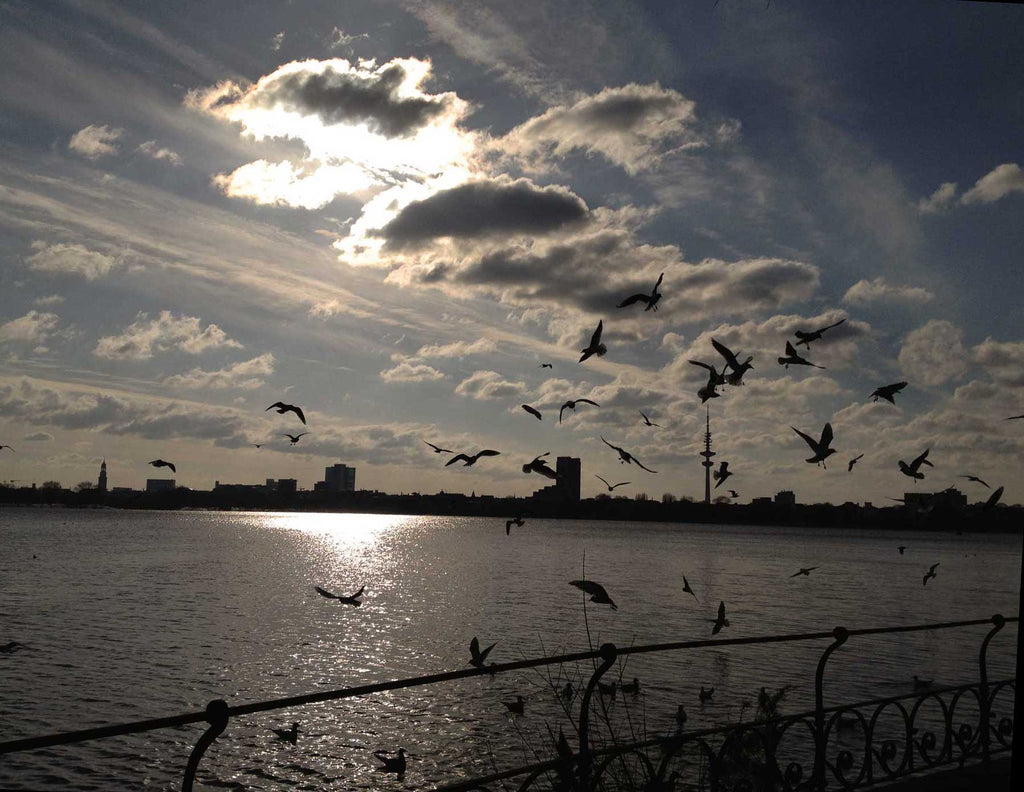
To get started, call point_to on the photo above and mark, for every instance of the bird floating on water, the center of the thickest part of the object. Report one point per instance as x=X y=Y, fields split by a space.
x=532 y=411
x=517 y=521
x=477 y=657
x=737 y=369
x=720 y=622
x=901 y=548
x=626 y=457
x=705 y=695
x=538 y=465
x=516 y=707
x=852 y=462
x=471 y=460
x=929 y=574
x=608 y=688
x=392 y=764
x=888 y=392
x=648 y=421
x=164 y=463
x=805 y=571
x=819 y=447
x=11 y=647
x=792 y=358
x=282 y=408
x=611 y=487
x=438 y=449
x=631 y=687
x=912 y=469
x=921 y=684
x=571 y=405
x=288 y=735
x=595 y=347
x=349 y=599
x=294 y=438
x=650 y=299
x=974 y=478
x=596 y=592
x=806 y=338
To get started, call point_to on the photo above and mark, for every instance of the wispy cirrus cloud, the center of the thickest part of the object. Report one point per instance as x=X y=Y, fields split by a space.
x=878 y=289
x=146 y=337
x=246 y=374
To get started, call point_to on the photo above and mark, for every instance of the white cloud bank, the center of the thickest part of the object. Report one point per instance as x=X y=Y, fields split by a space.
x=70 y=259
x=95 y=141
x=141 y=339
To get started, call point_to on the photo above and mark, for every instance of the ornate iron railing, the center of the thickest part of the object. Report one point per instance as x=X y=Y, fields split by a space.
x=845 y=747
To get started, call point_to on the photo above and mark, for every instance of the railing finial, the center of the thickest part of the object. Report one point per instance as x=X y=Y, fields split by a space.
x=217 y=714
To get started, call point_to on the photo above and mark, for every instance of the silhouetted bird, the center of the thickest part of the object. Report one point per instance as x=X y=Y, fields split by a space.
x=538 y=465
x=544 y=365
x=852 y=462
x=687 y=589
x=518 y=522
x=720 y=622
x=595 y=347
x=819 y=447
x=721 y=474
x=921 y=684
x=647 y=421
x=626 y=457
x=288 y=735
x=1015 y=417
x=596 y=592
x=805 y=571
x=532 y=411
x=571 y=405
x=438 y=449
x=901 y=548
x=471 y=460
x=888 y=392
x=680 y=718
x=608 y=688
x=611 y=487
x=793 y=359
x=163 y=463
x=806 y=338
x=912 y=469
x=478 y=657
x=568 y=692
x=294 y=438
x=929 y=574
x=11 y=646
x=2 y=447
x=391 y=764
x=993 y=499
x=258 y=445
x=733 y=494
x=735 y=376
x=708 y=390
x=631 y=687
x=974 y=478
x=705 y=695
x=515 y=707
x=650 y=299
x=350 y=599
x=282 y=408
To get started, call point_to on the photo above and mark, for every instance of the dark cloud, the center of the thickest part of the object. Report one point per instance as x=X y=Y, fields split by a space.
x=353 y=97
x=478 y=209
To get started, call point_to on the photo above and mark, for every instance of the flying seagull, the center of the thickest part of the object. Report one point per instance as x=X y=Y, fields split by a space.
x=163 y=463
x=294 y=438
x=888 y=392
x=929 y=574
x=611 y=487
x=2 y=447
x=626 y=457
x=571 y=405
x=687 y=589
x=852 y=462
x=1011 y=418
x=901 y=548
x=733 y=494
x=595 y=347
x=912 y=469
x=819 y=447
x=471 y=460
x=544 y=365
x=517 y=521
x=438 y=449
x=973 y=478
x=794 y=359
x=648 y=421
x=651 y=299
x=477 y=657
x=805 y=571
x=257 y=445
x=715 y=379
x=721 y=474
x=288 y=735
x=351 y=599
x=993 y=499
x=596 y=592
x=735 y=376
x=282 y=408
x=391 y=764
x=532 y=411
x=806 y=338
x=538 y=465
x=720 y=622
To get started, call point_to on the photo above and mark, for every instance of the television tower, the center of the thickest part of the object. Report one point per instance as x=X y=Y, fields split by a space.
x=102 y=487
x=707 y=453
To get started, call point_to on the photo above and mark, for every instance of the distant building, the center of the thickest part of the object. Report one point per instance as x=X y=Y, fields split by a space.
x=568 y=483
x=764 y=500
x=102 y=485
x=160 y=485
x=785 y=498
x=286 y=486
x=338 y=478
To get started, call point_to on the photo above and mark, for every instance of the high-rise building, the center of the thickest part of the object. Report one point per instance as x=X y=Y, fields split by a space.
x=568 y=482
x=160 y=485
x=340 y=478
x=102 y=485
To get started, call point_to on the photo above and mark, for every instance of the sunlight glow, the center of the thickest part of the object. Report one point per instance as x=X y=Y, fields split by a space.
x=346 y=531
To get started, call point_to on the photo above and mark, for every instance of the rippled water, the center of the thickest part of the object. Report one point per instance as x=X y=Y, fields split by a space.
x=128 y=616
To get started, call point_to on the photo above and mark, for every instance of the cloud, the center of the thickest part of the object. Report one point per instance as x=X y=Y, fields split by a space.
x=1003 y=361
x=633 y=126
x=71 y=259
x=38 y=437
x=276 y=41
x=489 y=385
x=153 y=151
x=411 y=372
x=339 y=39
x=934 y=353
x=143 y=338
x=939 y=200
x=877 y=290
x=48 y=300
x=246 y=374
x=309 y=186
x=456 y=349
x=482 y=208
x=95 y=141
x=998 y=183
x=33 y=328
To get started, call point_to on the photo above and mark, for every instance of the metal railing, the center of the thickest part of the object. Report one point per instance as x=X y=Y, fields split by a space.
x=745 y=756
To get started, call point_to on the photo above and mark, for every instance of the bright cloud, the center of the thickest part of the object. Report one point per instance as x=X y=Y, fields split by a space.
x=95 y=141
x=48 y=300
x=878 y=290
x=456 y=349
x=34 y=327
x=1001 y=181
x=411 y=372
x=154 y=151
x=144 y=337
x=309 y=186
x=489 y=385
x=246 y=374
x=934 y=353
x=939 y=200
x=71 y=259
x=1003 y=361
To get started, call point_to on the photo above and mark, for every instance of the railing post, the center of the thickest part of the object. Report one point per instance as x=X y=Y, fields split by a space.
x=608 y=655
x=217 y=716
x=839 y=634
x=997 y=621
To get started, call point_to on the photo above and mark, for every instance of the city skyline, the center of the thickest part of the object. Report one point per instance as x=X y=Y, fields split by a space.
x=392 y=215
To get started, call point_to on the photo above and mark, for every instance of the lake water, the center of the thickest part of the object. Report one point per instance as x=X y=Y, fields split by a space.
x=128 y=615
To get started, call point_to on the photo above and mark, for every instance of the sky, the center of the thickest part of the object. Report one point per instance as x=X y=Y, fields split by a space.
x=392 y=213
